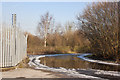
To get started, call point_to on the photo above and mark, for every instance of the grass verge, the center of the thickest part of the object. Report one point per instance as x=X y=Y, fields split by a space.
x=22 y=64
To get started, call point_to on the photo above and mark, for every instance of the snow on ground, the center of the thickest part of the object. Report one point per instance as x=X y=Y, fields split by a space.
x=70 y=72
x=96 y=61
x=35 y=60
x=111 y=73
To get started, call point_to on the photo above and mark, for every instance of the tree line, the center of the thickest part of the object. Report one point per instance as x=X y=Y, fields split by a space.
x=97 y=31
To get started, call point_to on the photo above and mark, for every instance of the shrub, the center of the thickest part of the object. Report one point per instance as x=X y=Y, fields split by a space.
x=83 y=49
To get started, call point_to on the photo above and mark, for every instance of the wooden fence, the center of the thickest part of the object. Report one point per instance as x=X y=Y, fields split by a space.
x=13 y=46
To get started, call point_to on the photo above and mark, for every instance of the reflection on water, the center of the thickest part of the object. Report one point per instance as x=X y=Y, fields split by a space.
x=72 y=61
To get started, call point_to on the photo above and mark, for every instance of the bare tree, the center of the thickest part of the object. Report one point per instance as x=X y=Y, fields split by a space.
x=44 y=26
x=100 y=24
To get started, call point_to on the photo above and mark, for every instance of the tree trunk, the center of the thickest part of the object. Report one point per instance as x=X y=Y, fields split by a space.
x=45 y=42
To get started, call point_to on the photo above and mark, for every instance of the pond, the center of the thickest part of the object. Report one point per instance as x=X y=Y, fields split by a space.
x=71 y=61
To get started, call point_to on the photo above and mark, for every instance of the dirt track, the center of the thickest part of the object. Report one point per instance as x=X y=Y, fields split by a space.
x=30 y=73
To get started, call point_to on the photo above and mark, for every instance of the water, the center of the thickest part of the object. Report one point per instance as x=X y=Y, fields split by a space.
x=73 y=62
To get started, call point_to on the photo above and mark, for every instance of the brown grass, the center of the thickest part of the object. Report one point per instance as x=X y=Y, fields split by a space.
x=22 y=64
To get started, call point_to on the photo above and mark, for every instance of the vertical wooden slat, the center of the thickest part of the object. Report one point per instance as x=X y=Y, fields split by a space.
x=10 y=47
x=13 y=56
x=6 y=48
x=1 y=48
x=13 y=46
x=7 y=62
x=8 y=58
x=13 y=51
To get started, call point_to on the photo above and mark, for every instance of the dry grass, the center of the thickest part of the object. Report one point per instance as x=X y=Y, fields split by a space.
x=22 y=64
x=48 y=50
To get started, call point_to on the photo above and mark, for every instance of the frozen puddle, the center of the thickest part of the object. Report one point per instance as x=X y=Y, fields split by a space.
x=77 y=72
x=69 y=72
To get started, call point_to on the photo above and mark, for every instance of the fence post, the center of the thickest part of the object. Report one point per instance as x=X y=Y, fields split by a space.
x=1 y=48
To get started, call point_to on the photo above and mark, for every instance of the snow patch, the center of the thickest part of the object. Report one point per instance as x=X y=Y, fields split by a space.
x=111 y=73
x=69 y=72
x=96 y=61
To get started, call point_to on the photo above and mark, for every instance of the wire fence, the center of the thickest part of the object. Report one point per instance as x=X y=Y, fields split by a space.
x=13 y=46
